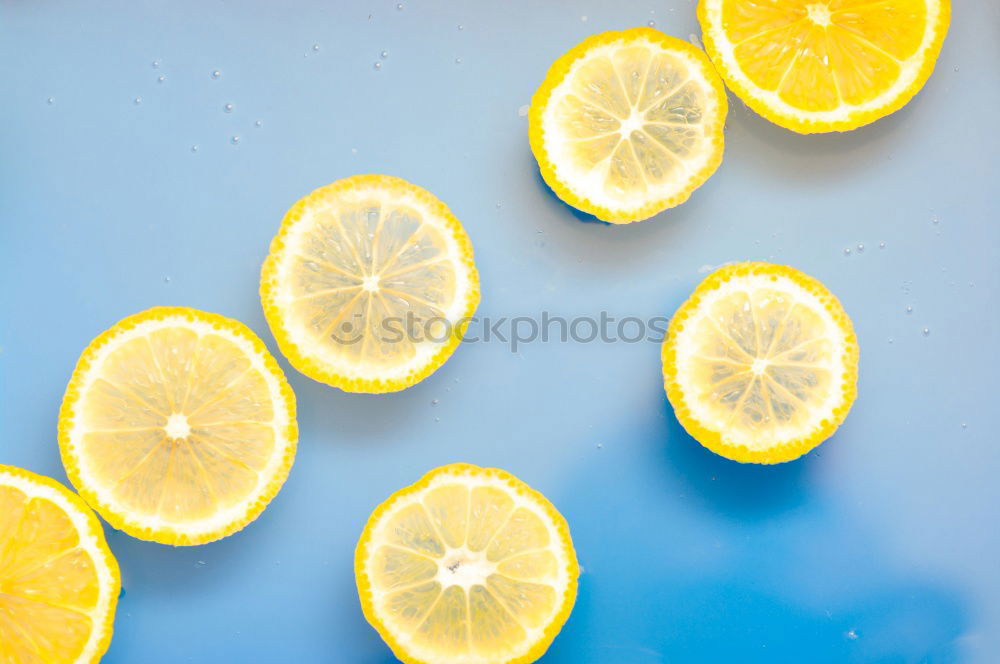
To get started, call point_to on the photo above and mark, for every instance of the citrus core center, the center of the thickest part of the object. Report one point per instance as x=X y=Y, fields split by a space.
x=464 y=568
x=177 y=426
x=819 y=13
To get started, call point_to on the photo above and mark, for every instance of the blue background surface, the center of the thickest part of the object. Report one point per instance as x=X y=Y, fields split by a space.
x=882 y=546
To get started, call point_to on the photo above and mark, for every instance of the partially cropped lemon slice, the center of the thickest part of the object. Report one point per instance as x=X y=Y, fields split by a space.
x=467 y=566
x=761 y=363
x=370 y=284
x=59 y=583
x=628 y=124
x=178 y=426
x=824 y=65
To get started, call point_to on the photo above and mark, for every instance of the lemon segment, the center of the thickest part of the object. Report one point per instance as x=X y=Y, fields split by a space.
x=824 y=65
x=369 y=284
x=760 y=364
x=628 y=124
x=59 y=583
x=178 y=426
x=468 y=566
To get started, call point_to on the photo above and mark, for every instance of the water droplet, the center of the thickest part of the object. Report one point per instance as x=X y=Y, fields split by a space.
x=166 y=280
x=50 y=101
x=437 y=419
x=852 y=635
x=258 y=123
x=583 y=18
x=847 y=251
x=522 y=111
x=399 y=7
x=600 y=445
x=161 y=79
x=890 y=339
x=235 y=140
x=315 y=47
x=384 y=54
x=216 y=74
x=956 y=67
x=909 y=309
x=156 y=64
x=499 y=205
x=137 y=100
x=194 y=148
x=434 y=402
x=652 y=24
x=964 y=425
x=926 y=331
x=861 y=248
x=458 y=61
x=935 y=220
x=377 y=66
x=228 y=108
x=200 y=563
x=881 y=245
x=461 y=27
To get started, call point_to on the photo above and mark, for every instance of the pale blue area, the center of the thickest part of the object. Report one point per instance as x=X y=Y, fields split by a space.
x=880 y=547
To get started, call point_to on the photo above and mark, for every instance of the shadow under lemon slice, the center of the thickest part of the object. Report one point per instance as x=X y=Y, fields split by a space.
x=760 y=363
x=467 y=566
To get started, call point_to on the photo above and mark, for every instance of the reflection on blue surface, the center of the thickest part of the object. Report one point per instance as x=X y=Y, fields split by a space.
x=879 y=547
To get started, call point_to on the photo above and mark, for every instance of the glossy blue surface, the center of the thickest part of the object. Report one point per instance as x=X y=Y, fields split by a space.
x=882 y=546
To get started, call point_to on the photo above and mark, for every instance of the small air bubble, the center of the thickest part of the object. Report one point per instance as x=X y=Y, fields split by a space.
x=315 y=47
x=228 y=108
x=861 y=248
x=583 y=18
x=881 y=245
x=600 y=446
x=258 y=123
x=964 y=425
x=499 y=205
x=354 y=150
x=50 y=101
x=235 y=140
x=522 y=110
x=909 y=309
x=377 y=66
x=651 y=24
x=434 y=402
x=194 y=148
x=384 y=54
x=161 y=79
x=847 y=251
x=216 y=74
x=935 y=220
x=890 y=339
x=458 y=61
x=399 y=7
x=166 y=280
x=926 y=331
x=956 y=67
x=156 y=64
x=437 y=419
x=137 y=101
x=852 y=635
x=461 y=27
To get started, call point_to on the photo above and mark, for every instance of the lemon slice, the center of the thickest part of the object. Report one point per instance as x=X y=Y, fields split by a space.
x=370 y=284
x=761 y=363
x=59 y=583
x=178 y=426
x=467 y=566
x=628 y=124
x=824 y=65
